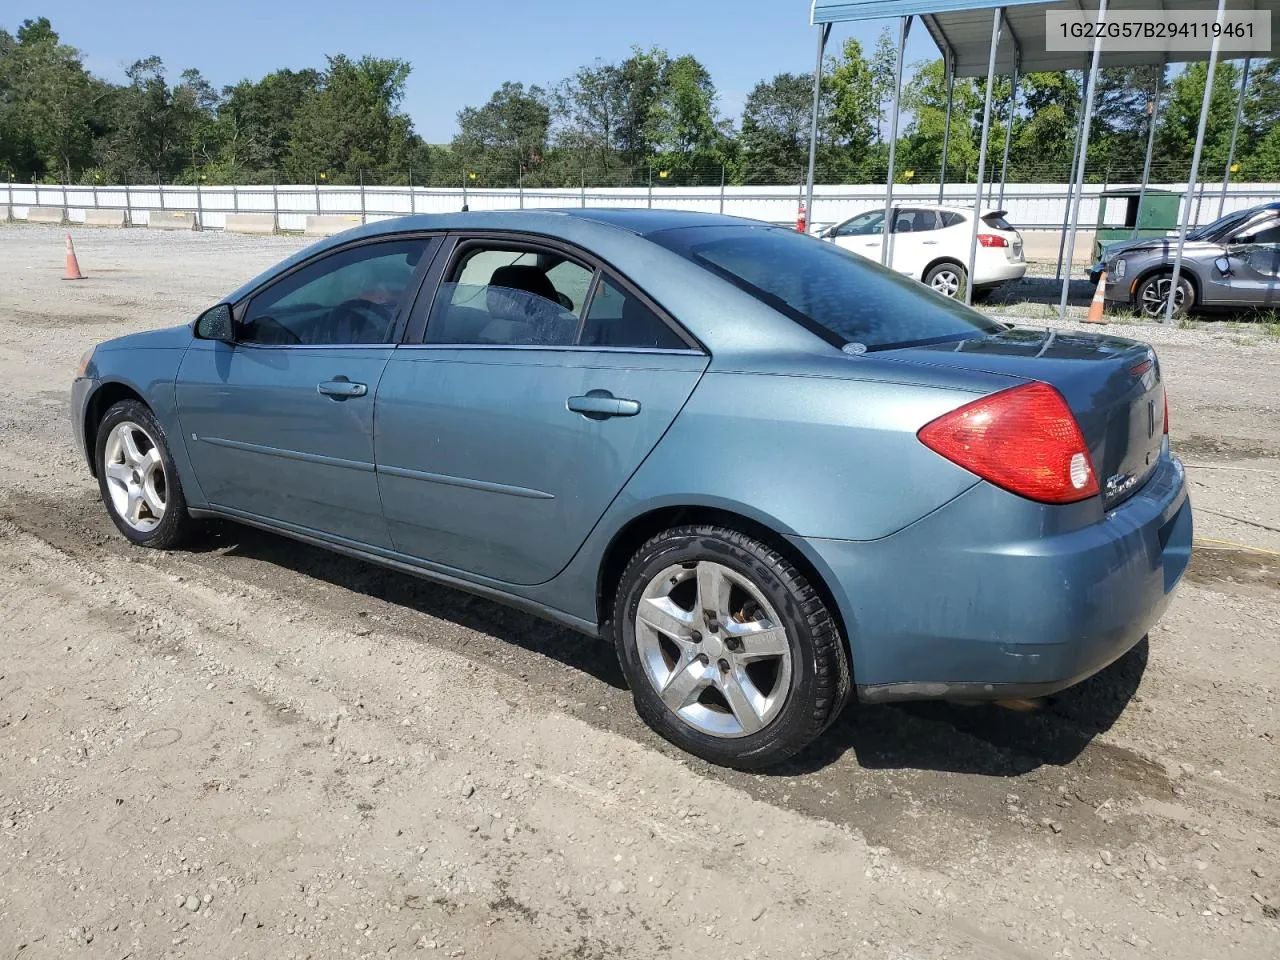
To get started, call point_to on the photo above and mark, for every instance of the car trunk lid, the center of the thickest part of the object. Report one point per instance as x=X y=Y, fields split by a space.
x=1112 y=385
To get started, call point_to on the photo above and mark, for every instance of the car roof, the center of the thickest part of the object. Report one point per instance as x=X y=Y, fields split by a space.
x=555 y=220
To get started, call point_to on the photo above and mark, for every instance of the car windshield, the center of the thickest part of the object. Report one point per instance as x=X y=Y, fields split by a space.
x=836 y=294
x=1221 y=225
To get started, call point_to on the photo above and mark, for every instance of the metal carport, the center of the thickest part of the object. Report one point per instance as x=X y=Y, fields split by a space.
x=988 y=37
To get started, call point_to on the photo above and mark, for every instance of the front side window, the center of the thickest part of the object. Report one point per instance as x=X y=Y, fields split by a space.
x=1264 y=232
x=509 y=296
x=864 y=225
x=839 y=296
x=349 y=297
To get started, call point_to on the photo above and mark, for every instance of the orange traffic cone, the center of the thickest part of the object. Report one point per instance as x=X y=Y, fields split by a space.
x=73 y=265
x=1099 y=302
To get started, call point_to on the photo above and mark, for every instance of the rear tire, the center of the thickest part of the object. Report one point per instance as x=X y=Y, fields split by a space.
x=1153 y=295
x=730 y=652
x=137 y=478
x=948 y=279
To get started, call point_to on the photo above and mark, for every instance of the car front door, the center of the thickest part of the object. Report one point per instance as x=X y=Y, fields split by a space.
x=861 y=234
x=1254 y=257
x=279 y=423
x=542 y=382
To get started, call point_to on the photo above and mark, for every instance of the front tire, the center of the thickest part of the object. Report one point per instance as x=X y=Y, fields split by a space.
x=1153 y=295
x=137 y=477
x=730 y=651
x=948 y=279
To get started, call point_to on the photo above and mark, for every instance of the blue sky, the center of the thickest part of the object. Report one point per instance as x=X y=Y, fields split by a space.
x=460 y=50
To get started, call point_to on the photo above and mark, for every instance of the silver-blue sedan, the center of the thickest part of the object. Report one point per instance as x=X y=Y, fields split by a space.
x=771 y=472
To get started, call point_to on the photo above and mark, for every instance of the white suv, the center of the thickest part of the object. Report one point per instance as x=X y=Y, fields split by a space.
x=931 y=244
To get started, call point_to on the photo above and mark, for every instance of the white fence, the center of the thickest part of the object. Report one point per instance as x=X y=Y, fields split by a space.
x=1028 y=205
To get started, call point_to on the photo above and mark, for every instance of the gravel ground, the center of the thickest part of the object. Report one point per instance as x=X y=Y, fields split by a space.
x=253 y=748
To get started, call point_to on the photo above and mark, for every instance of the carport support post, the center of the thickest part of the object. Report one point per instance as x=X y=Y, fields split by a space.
x=997 y=19
x=949 y=66
x=1235 y=130
x=363 y=217
x=824 y=32
x=275 y=205
x=1195 y=161
x=1008 y=131
x=199 y=204
x=1075 y=159
x=1084 y=153
x=1151 y=142
x=904 y=27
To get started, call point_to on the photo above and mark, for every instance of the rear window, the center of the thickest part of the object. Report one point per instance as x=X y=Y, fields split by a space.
x=996 y=221
x=836 y=294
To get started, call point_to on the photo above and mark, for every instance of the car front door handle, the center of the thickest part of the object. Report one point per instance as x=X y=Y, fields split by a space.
x=930 y=243
x=601 y=404
x=340 y=388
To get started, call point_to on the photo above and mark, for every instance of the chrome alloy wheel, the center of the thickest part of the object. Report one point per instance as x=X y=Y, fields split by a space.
x=135 y=476
x=1155 y=297
x=946 y=282
x=713 y=648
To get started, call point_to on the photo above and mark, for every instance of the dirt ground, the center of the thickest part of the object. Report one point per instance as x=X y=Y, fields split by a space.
x=252 y=748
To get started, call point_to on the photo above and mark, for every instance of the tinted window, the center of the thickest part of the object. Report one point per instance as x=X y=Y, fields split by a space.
x=346 y=298
x=950 y=218
x=618 y=319
x=509 y=297
x=840 y=296
x=996 y=221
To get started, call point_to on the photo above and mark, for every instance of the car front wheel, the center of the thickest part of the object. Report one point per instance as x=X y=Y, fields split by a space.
x=731 y=653
x=137 y=477
x=1153 y=296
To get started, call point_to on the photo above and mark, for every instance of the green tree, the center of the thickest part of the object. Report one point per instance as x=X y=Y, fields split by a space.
x=1180 y=119
x=883 y=67
x=854 y=115
x=507 y=136
x=775 y=129
x=255 y=119
x=924 y=99
x=353 y=122
x=48 y=103
x=685 y=126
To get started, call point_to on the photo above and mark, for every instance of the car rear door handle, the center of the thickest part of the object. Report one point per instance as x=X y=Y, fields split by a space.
x=930 y=243
x=340 y=388
x=601 y=404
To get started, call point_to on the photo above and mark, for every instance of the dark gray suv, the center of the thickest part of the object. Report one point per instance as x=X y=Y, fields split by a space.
x=1232 y=263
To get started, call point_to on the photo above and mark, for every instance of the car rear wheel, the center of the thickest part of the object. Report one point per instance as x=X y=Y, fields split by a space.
x=1153 y=295
x=730 y=652
x=137 y=477
x=947 y=279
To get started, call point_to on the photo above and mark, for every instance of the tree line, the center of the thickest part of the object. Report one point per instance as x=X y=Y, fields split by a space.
x=652 y=117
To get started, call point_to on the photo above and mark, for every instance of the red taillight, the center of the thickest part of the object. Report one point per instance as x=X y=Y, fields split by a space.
x=1024 y=439
x=1166 y=414
x=991 y=240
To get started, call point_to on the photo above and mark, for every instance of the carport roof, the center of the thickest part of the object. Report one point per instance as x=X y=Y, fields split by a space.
x=963 y=27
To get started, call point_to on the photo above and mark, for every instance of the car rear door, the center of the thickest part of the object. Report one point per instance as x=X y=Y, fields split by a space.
x=541 y=382
x=279 y=424
x=915 y=240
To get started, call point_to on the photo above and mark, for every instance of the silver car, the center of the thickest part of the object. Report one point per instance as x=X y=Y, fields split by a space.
x=1232 y=263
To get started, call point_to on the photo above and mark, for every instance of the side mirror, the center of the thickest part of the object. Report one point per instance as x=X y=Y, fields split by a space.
x=1223 y=266
x=216 y=324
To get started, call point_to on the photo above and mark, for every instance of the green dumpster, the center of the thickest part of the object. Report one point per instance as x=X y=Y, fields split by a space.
x=1119 y=216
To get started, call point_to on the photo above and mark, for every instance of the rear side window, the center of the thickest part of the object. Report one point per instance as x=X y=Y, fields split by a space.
x=911 y=220
x=841 y=297
x=996 y=221
x=619 y=319
x=950 y=218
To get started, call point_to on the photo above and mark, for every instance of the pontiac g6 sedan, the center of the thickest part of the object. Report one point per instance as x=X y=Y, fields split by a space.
x=771 y=472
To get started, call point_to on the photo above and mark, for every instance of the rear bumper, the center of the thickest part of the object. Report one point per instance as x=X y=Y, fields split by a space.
x=998 y=271
x=982 y=600
x=81 y=389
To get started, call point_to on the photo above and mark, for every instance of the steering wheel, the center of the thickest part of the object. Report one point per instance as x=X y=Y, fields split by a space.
x=370 y=324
